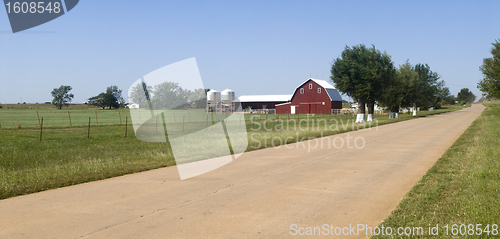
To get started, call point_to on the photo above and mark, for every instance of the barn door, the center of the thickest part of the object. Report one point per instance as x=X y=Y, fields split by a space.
x=292 y=109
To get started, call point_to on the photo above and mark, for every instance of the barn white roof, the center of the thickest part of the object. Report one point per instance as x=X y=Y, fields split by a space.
x=264 y=98
x=332 y=93
x=322 y=83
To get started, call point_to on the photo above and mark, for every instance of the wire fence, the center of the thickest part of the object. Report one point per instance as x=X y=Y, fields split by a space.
x=15 y=118
x=53 y=118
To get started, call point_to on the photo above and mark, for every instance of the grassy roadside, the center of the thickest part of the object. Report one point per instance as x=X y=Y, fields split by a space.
x=66 y=157
x=463 y=187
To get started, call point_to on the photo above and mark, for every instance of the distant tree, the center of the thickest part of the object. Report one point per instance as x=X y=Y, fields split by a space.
x=466 y=96
x=490 y=84
x=140 y=94
x=99 y=100
x=112 y=98
x=362 y=73
x=169 y=95
x=198 y=98
x=62 y=96
x=444 y=96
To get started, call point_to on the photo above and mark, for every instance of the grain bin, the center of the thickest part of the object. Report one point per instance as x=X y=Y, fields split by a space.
x=213 y=97
x=227 y=96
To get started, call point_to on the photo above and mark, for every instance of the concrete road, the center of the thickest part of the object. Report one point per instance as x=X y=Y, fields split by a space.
x=269 y=193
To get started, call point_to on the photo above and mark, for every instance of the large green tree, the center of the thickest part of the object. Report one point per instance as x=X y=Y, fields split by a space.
x=490 y=84
x=62 y=96
x=423 y=90
x=466 y=96
x=362 y=73
x=396 y=94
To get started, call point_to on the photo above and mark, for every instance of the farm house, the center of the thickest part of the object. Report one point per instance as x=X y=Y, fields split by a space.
x=312 y=97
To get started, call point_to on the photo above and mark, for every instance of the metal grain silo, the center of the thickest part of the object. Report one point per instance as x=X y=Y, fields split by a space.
x=227 y=96
x=213 y=97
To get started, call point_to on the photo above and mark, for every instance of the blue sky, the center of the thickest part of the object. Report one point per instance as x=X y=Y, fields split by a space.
x=251 y=47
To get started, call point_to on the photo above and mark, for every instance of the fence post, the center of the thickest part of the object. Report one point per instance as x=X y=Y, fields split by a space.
x=69 y=116
x=37 y=115
x=97 y=122
x=88 y=133
x=41 y=130
x=174 y=116
x=120 y=115
x=183 y=123
x=126 y=123
x=189 y=116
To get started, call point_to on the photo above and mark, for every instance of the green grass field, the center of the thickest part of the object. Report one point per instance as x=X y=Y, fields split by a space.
x=65 y=156
x=461 y=192
x=29 y=118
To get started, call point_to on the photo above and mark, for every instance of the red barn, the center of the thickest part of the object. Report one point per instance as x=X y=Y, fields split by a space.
x=312 y=97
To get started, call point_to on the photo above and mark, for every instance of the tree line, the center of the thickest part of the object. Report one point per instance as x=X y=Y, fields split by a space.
x=167 y=95
x=111 y=98
x=370 y=77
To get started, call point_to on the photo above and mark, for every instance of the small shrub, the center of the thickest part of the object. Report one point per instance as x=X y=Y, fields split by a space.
x=18 y=126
